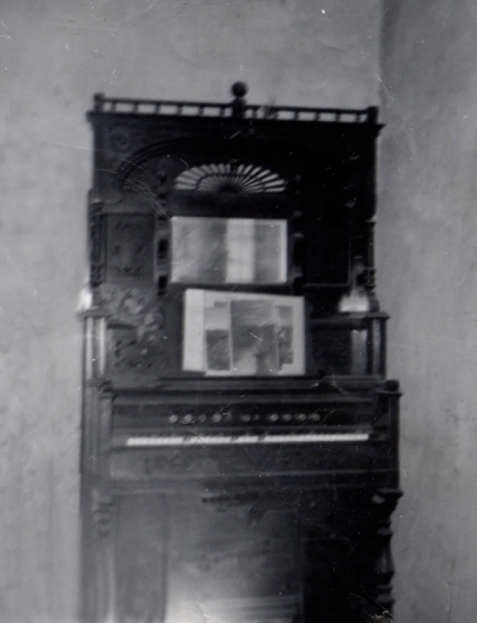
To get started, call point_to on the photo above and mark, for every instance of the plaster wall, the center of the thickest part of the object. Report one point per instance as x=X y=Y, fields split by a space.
x=54 y=55
x=427 y=259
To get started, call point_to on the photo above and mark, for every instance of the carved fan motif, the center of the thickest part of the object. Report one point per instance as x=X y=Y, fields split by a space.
x=230 y=177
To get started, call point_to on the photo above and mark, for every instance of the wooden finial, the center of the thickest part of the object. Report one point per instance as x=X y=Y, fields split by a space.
x=239 y=89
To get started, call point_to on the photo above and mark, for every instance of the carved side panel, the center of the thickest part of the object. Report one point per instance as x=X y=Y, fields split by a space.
x=129 y=247
x=136 y=335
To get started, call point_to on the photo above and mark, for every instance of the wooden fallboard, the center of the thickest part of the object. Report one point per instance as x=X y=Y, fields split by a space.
x=320 y=460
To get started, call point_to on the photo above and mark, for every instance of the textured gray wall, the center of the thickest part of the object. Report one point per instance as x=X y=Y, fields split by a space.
x=54 y=55
x=427 y=259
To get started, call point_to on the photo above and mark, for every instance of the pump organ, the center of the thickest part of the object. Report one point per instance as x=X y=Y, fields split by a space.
x=240 y=438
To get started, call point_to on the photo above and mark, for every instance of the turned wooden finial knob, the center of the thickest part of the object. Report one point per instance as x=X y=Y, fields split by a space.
x=239 y=89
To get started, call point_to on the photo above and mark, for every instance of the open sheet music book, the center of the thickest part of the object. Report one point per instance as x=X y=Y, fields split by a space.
x=232 y=333
x=228 y=250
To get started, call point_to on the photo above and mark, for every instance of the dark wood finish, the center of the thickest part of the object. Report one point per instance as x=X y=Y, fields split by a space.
x=240 y=499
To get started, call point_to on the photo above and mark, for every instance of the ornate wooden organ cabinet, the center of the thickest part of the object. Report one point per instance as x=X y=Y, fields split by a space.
x=239 y=458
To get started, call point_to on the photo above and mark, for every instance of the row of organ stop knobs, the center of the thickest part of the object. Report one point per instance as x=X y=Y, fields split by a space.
x=243 y=418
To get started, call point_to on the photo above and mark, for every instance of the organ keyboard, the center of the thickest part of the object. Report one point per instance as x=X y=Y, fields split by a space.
x=245 y=439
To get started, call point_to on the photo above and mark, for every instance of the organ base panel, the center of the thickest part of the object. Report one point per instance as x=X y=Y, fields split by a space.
x=260 y=486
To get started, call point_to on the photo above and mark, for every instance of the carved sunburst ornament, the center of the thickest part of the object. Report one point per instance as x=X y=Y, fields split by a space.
x=230 y=177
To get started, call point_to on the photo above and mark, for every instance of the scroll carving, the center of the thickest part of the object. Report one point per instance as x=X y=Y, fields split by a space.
x=152 y=181
x=119 y=140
